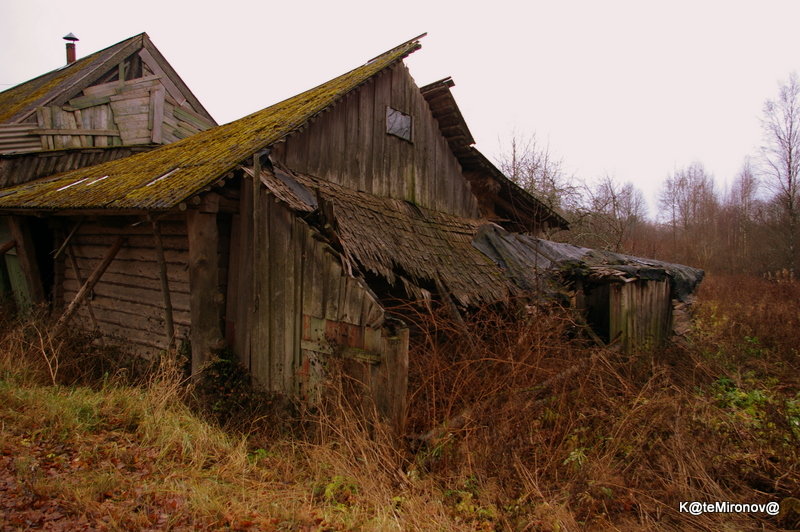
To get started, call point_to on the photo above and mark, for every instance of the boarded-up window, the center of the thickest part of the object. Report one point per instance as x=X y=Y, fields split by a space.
x=398 y=124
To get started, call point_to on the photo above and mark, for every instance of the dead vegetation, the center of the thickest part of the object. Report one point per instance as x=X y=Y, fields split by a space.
x=519 y=424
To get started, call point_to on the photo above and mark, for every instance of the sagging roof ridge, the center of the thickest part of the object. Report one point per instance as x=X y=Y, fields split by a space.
x=473 y=261
x=162 y=178
x=461 y=143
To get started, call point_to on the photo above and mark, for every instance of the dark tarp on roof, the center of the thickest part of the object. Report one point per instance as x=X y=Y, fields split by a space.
x=525 y=258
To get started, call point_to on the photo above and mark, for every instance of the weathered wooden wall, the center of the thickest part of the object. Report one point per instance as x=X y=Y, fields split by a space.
x=128 y=302
x=349 y=145
x=640 y=313
x=136 y=111
x=292 y=304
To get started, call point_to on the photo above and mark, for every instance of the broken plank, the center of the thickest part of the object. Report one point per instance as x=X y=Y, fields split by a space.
x=157 y=110
x=93 y=132
x=88 y=285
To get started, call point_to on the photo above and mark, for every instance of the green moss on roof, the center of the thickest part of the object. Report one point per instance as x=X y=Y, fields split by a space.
x=19 y=101
x=162 y=178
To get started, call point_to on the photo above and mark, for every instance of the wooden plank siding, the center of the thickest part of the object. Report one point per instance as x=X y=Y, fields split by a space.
x=349 y=146
x=133 y=112
x=301 y=307
x=640 y=314
x=127 y=300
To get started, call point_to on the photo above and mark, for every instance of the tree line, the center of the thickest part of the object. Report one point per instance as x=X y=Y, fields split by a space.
x=750 y=227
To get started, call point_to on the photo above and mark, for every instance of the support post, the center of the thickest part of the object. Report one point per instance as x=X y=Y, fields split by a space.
x=88 y=285
x=205 y=301
x=26 y=253
x=162 y=271
x=74 y=265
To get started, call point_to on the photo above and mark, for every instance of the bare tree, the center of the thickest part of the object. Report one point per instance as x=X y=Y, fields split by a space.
x=689 y=205
x=781 y=158
x=740 y=214
x=534 y=168
x=615 y=212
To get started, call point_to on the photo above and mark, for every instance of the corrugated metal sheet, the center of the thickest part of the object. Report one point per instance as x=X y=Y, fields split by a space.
x=25 y=167
x=162 y=178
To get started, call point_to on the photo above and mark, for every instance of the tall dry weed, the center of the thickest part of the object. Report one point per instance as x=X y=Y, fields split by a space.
x=525 y=421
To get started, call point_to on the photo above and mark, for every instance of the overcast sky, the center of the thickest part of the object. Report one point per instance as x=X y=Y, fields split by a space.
x=630 y=89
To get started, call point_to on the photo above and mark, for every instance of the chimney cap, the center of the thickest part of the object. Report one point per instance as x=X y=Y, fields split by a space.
x=70 y=37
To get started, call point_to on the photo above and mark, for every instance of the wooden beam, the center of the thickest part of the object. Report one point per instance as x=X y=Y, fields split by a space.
x=162 y=270
x=8 y=246
x=67 y=240
x=84 y=132
x=88 y=285
x=205 y=301
x=157 y=109
x=74 y=265
x=151 y=62
x=26 y=253
x=258 y=227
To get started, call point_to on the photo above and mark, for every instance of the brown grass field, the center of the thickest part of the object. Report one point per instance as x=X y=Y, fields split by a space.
x=514 y=423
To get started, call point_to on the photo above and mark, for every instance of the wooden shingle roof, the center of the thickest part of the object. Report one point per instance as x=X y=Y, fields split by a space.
x=162 y=178
x=408 y=245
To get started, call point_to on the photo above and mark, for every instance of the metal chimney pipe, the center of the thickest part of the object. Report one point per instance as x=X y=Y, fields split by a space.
x=70 y=38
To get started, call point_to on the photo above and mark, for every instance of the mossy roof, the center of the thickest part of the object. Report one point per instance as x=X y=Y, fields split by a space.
x=20 y=101
x=162 y=178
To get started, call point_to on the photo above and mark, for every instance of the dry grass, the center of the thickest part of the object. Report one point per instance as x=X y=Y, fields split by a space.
x=515 y=422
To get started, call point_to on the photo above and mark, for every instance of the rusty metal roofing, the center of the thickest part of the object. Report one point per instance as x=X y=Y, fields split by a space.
x=162 y=178
x=20 y=101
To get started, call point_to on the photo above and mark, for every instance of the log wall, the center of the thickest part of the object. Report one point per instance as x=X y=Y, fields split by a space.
x=127 y=301
x=349 y=145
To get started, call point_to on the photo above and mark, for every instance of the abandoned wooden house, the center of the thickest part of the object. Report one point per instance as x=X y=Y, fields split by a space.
x=280 y=235
x=119 y=101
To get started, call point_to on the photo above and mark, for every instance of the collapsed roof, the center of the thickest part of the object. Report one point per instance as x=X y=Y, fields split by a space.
x=472 y=261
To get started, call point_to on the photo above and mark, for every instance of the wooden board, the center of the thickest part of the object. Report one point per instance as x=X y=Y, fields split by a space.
x=128 y=296
x=205 y=333
x=349 y=145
